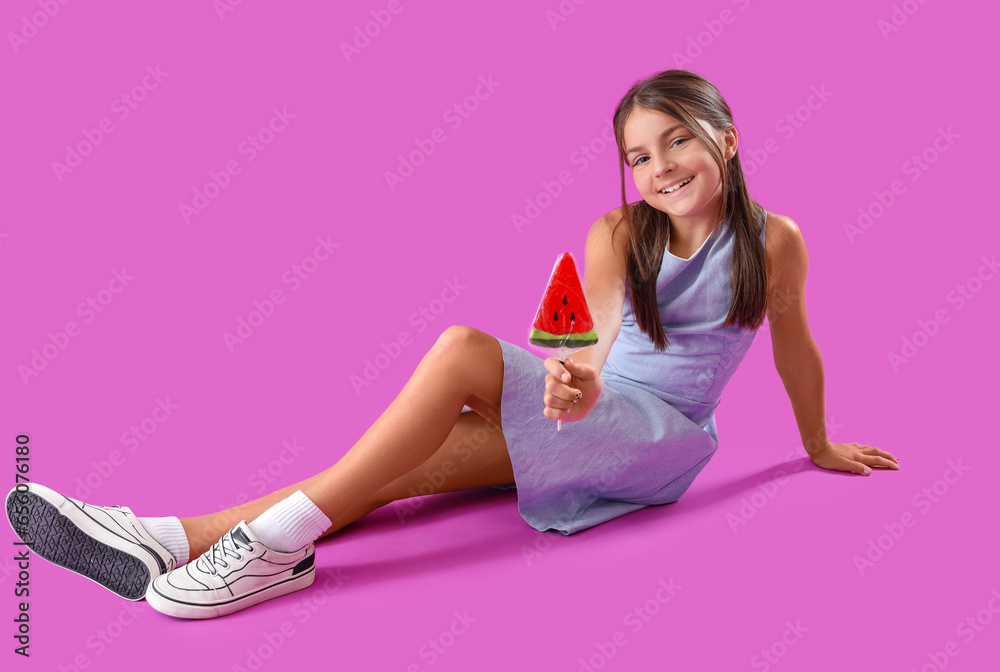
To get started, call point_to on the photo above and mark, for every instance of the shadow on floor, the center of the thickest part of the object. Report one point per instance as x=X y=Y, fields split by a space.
x=442 y=547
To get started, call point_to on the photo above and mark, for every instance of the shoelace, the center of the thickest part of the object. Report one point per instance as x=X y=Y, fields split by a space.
x=215 y=556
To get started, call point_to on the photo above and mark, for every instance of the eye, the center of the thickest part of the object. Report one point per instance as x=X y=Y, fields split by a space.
x=638 y=161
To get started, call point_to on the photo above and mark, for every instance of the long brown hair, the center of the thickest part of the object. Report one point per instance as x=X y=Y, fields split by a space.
x=687 y=97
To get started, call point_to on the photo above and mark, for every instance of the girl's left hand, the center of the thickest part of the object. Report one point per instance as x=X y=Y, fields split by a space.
x=854 y=457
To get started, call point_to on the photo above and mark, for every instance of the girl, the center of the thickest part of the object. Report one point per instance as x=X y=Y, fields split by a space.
x=678 y=284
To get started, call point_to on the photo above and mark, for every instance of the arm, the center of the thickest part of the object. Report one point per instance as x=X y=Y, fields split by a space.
x=604 y=288
x=798 y=360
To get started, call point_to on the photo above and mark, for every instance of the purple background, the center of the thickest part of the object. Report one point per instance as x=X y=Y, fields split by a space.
x=786 y=581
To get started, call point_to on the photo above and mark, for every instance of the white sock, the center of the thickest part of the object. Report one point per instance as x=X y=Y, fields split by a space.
x=290 y=524
x=170 y=533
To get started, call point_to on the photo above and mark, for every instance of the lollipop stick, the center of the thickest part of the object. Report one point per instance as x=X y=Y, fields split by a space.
x=562 y=360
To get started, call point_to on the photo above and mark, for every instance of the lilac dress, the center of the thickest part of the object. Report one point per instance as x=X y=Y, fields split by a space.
x=653 y=429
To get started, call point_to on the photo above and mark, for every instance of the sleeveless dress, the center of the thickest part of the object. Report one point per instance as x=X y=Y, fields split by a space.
x=653 y=428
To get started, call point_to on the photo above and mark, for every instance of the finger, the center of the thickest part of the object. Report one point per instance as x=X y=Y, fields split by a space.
x=554 y=413
x=567 y=395
x=857 y=467
x=558 y=389
x=554 y=366
x=558 y=401
x=565 y=375
x=883 y=462
x=581 y=370
x=841 y=463
x=871 y=450
x=561 y=390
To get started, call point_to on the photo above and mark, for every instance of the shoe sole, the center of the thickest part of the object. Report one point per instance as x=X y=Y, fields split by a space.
x=54 y=533
x=171 y=607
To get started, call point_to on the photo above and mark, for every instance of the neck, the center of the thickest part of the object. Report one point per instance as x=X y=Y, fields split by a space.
x=690 y=231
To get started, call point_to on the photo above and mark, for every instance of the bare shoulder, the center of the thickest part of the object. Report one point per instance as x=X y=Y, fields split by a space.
x=780 y=229
x=614 y=218
x=787 y=265
x=607 y=239
x=604 y=276
x=783 y=242
x=613 y=227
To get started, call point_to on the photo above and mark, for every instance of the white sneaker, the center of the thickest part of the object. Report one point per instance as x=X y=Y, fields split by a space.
x=238 y=571
x=106 y=544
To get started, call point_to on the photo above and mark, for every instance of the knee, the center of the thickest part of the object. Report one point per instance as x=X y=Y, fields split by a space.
x=458 y=338
x=462 y=353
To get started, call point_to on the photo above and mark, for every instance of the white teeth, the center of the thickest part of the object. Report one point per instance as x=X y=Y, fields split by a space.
x=673 y=189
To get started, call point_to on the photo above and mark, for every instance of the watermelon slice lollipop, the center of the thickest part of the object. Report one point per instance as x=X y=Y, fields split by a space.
x=563 y=320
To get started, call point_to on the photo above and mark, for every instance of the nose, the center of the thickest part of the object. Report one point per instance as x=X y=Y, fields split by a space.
x=661 y=165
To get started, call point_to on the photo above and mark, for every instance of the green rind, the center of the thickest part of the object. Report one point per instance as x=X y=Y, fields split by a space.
x=546 y=340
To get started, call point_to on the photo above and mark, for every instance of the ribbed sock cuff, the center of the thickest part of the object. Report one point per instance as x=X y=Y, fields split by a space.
x=170 y=533
x=291 y=523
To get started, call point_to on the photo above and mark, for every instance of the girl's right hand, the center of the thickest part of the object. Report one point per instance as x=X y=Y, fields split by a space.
x=571 y=389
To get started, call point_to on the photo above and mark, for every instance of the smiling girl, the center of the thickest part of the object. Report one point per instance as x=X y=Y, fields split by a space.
x=678 y=285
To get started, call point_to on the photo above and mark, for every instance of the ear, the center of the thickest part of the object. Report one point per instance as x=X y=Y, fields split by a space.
x=731 y=141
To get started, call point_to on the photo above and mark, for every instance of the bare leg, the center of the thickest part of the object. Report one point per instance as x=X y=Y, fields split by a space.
x=421 y=430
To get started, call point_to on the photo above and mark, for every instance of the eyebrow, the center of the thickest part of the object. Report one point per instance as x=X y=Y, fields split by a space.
x=662 y=135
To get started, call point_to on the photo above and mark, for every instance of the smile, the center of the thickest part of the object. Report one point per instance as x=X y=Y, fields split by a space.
x=673 y=190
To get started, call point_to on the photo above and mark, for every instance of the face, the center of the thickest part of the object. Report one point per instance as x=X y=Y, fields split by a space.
x=662 y=153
